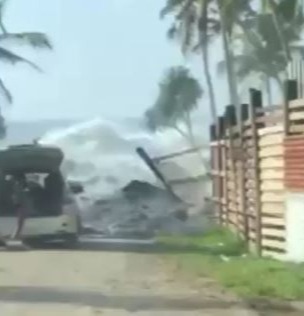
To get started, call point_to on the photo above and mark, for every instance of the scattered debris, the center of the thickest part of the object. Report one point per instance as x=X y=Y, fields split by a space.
x=138 y=210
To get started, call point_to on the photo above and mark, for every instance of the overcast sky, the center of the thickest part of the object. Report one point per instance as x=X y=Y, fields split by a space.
x=108 y=58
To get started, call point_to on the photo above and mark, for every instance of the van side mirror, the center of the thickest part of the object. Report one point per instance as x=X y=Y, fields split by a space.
x=76 y=187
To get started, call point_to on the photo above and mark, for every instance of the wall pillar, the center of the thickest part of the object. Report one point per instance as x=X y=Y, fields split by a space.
x=295 y=226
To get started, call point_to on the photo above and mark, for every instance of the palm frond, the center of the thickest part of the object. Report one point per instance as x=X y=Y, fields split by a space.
x=288 y=9
x=170 y=7
x=5 y=92
x=244 y=66
x=12 y=58
x=185 y=8
x=3 y=4
x=179 y=94
x=150 y=120
x=172 y=32
x=2 y=9
x=268 y=6
x=268 y=32
x=32 y=39
x=189 y=30
x=3 y=127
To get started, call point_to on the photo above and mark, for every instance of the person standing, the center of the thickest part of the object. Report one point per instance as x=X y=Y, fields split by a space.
x=21 y=202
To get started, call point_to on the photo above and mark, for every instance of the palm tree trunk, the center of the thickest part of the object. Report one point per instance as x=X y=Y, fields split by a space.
x=2 y=28
x=205 y=56
x=268 y=89
x=192 y=140
x=190 y=130
x=231 y=77
x=281 y=86
x=278 y=27
x=213 y=107
x=181 y=132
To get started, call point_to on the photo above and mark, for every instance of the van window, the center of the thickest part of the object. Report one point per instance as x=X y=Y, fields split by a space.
x=43 y=193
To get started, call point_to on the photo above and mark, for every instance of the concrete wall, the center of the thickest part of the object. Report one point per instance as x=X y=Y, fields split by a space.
x=294 y=198
x=295 y=226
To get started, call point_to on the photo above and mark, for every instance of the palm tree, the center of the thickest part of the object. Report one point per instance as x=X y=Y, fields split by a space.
x=2 y=127
x=258 y=61
x=282 y=11
x=230 y=13
x=179 y=95
x=204 y=19
x=36 y=40
x=2 y=8
x=262 y=52
x=226 y=31
x=283 y=27
x=190 y=27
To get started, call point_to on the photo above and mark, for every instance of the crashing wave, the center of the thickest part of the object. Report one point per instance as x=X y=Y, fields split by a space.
x=101 y=153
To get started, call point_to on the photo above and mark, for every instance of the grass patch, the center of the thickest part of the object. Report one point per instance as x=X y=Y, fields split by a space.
x=220 y=255
x=216 y=242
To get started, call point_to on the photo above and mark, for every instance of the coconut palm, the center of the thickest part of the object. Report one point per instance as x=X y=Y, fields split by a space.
x=36 y=40
x=191 y=27
x=231 y=13
x=179 y=95
x=33 y=39
x=282 y=11
x=258 y=61
x=202 y=20
x=263 y=53
x=2 y=126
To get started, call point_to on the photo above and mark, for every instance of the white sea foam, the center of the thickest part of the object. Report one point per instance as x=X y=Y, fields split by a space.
x=102 y=154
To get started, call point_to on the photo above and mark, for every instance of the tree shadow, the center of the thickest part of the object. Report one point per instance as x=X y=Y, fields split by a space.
x=97 y=299
x=131 y=303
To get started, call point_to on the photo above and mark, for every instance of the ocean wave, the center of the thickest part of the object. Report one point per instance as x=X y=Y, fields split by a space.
x=101 y=153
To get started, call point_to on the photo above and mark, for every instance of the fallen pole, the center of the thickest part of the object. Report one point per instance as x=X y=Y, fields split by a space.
x=178 y=154
x=149 y=162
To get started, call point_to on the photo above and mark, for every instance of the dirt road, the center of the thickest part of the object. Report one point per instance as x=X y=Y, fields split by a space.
x=94 y=282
